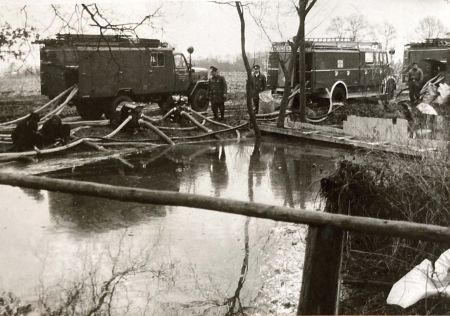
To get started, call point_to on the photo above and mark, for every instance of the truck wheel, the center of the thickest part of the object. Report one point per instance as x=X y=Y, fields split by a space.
x=89 y=111
x=110 y=110
x=166 y=104
x=199 y=100
x=339 y=95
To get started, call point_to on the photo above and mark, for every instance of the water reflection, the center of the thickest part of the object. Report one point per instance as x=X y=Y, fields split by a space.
x=216 y=258
x=34 y=194
x=90 y=213
x=218 y=169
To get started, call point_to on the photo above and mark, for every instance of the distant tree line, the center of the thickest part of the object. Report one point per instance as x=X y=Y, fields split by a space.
x=234 y=63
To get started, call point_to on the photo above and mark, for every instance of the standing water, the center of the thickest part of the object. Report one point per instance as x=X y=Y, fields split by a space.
x=80 y=252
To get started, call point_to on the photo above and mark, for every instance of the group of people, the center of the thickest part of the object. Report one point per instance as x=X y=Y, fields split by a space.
x=27 y=136
x=217 y=90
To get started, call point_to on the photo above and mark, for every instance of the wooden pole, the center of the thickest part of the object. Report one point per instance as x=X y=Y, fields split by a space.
x=319 y=294
x=366 y=225
x=157 y=131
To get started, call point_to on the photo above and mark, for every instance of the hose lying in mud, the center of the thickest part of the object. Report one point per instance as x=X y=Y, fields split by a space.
x=17 y=120
x=323 y=117
x=191 y=128
x=156 y=130
x=56 y=111
x=212 y=132
x=13 y=156
x=87 y=123
x=61 y=107
x=215 y=122
x=120 y=127
x=318 y=119
x=205 y=129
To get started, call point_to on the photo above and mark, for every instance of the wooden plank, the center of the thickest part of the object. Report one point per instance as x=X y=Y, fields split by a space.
x=364 y=225
x=345 y=141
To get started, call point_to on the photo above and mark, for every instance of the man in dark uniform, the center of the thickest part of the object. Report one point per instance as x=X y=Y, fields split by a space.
x=26 y=136
x=54 y=130
x=217 y=90
x=415 y=77
x=259 y=85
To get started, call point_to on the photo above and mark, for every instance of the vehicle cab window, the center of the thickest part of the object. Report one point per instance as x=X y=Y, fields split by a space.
x=157 y=60
x=180 y=62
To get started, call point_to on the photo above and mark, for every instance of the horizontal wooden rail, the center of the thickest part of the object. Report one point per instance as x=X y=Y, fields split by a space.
x=366 y=225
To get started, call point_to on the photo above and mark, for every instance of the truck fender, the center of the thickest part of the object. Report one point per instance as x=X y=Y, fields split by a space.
x=199 y=84
x=330 y=92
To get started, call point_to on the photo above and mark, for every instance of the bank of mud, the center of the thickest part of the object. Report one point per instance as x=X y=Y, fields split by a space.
x=388 y=187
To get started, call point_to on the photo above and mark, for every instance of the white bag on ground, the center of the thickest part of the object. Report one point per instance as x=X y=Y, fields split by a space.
x=267 y=103
x=425 y=108
x=421 y=282
x=444 y=93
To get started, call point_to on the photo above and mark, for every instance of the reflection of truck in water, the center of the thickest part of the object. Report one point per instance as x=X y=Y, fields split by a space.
x=431 y=56
x=336 y=68
x=92 y=213
x=112 y=69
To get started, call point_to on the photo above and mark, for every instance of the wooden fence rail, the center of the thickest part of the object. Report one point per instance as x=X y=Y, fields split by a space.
x=364 y=225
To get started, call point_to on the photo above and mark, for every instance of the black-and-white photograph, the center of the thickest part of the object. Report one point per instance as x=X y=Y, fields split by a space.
x=213 y=157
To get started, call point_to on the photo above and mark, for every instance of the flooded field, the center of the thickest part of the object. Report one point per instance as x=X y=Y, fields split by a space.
x=162 y=259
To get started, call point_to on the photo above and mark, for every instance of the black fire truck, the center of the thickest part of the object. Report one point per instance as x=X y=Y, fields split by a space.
x=336 y=69
x=112 y=69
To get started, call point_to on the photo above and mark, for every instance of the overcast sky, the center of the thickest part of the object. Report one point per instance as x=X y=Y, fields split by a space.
x=213 y=29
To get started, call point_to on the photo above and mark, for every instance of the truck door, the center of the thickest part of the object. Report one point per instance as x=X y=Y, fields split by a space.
x=159 y=70
x=181 y=73
x=367 y=70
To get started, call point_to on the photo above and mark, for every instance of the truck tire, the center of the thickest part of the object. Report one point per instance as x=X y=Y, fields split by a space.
x=339 y=95
x=110 y=110
x=89 y=110
x=199 y=101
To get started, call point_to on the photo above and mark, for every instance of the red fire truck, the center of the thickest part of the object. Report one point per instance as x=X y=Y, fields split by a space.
x=336 y=69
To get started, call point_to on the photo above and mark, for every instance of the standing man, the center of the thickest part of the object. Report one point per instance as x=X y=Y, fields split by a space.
x=217 y=90
x=415 y=77
x=259 y=85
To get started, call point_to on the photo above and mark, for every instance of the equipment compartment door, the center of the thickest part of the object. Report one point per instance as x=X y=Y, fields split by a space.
x=159 y=73
x=181 y=73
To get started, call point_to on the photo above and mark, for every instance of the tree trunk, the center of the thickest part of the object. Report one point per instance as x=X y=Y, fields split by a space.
x=301 y=66
x=288 y=80
x=249 y=85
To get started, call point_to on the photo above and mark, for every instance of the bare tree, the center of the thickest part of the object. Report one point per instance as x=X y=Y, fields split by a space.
x=430 y=27
x=356 y=26
x=302 y=9
x=388 y=34
x=337 y=27
x=249 y=85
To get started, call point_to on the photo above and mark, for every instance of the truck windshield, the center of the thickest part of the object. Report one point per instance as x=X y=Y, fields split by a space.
x=179 y=61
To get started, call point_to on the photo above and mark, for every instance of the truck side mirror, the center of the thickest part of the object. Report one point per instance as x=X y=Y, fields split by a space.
x=190 y=50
